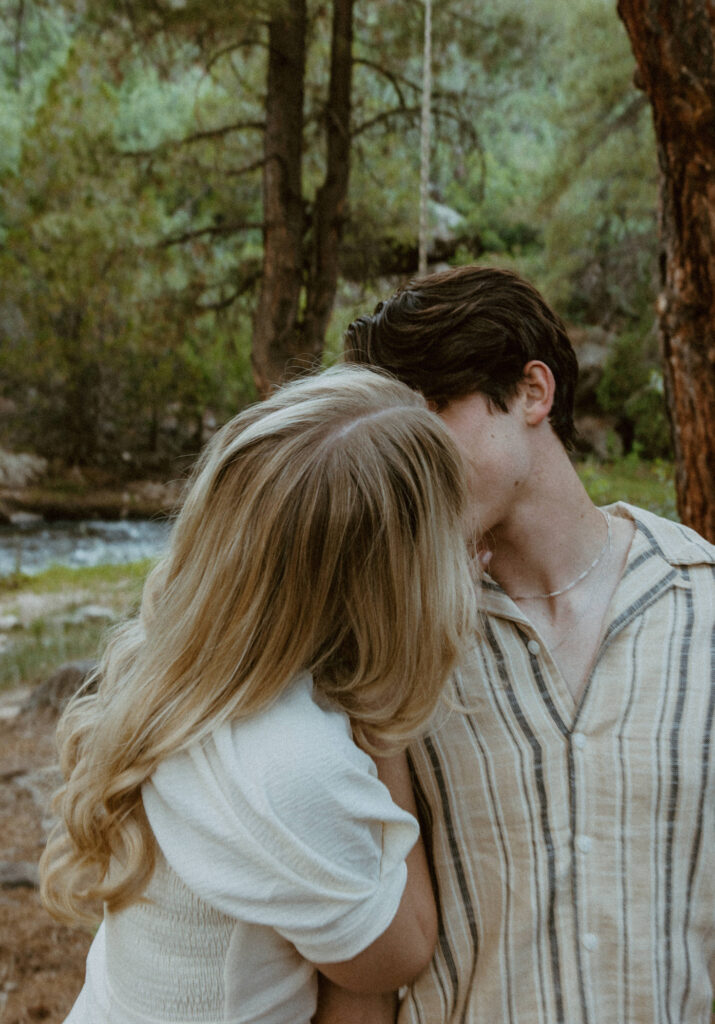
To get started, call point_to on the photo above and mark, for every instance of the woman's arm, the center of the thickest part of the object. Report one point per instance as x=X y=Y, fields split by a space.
x=338 y=1006
x=406 y=947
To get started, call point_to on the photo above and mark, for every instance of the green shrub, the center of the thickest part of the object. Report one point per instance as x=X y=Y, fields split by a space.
x=648 y=484
x=631 y=388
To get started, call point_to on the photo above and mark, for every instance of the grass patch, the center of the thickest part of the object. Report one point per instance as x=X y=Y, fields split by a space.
x=59 y=578
x=36 y=652
x=650 y=485
x=54 y=629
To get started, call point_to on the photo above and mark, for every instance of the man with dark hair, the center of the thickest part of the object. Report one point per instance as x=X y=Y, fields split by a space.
x=469 y=330
x=569 y=809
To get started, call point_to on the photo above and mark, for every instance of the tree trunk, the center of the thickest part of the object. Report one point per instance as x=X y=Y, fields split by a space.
x=425 y=141
x=275 y=339
x=80 y=403
x=673 y=43
x=331 y=199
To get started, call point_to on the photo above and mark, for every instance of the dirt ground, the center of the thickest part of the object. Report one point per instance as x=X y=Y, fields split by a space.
x=41 y=961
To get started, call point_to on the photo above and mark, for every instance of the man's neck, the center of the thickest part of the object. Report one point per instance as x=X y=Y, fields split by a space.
x=549 y=537
x=560 y=559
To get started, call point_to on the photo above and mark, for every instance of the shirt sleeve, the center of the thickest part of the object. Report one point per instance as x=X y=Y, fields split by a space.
x=280 y=820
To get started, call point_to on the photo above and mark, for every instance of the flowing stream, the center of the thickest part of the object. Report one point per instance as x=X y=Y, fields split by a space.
x=34 y=547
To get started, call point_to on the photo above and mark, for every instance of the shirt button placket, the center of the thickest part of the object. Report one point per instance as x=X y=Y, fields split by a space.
x=584 y=844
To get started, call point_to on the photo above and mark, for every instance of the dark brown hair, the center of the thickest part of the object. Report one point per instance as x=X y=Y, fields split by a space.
x=467 y=330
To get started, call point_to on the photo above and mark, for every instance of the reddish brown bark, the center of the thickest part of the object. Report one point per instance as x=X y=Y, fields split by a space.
x=673 y=42
x=274 y=324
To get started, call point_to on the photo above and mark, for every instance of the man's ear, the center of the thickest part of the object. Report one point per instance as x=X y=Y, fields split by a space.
x=536 y=390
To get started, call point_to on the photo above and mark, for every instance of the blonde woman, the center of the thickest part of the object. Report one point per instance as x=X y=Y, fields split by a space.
x=221 y=811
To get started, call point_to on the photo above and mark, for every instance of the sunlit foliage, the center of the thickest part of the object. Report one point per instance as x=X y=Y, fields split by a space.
x=130 y=192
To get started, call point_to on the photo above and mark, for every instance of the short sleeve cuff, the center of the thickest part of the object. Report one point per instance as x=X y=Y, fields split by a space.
x=358 y=928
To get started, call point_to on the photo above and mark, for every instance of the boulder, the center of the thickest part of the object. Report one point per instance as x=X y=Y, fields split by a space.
x=25 y=519
x=55 y=691
x=597 y=435
x=18 y=469
x=16 y=874
x=591 y=345
x=163 y=496
x=91 y=613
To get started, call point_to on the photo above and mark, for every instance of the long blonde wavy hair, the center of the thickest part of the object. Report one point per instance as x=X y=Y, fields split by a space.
x=321 y=531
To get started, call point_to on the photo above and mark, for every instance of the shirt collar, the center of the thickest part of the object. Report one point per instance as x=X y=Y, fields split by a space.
x=676 y=544
x=668 y=547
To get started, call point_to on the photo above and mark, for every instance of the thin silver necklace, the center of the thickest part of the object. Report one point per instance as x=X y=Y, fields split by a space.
x=581 y=576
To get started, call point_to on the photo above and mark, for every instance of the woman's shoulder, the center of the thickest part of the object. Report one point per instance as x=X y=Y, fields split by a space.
x=296 y=742
x=295 y=746
x=295 y=725
x=287 y=786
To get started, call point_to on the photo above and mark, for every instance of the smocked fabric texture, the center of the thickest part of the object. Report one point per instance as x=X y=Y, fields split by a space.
x=573 y=844
x=277 y=843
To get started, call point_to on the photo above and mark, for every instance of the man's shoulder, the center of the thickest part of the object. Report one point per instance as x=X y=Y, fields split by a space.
x=678 y=544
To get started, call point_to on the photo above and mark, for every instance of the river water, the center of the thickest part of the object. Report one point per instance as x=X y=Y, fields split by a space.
x=34 y=547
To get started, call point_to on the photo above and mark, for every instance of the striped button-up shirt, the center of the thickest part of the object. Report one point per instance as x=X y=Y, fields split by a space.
x=573 y=844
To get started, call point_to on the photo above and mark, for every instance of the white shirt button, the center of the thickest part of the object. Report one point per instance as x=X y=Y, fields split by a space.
x=584 y=843
x=579 y=740
x=590 y=941
x=533 y=647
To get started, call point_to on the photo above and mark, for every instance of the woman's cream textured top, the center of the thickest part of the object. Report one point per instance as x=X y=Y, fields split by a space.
x=279 y=845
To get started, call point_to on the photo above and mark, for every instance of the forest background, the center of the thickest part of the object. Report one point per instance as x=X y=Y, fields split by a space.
x=196 y=199
x=135 y=215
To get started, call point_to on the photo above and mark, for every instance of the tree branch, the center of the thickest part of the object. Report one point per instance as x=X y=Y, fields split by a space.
x=231 y=48
x=590 y=144
x=440 y=113
x=247 y=168
x=209 y=133
x=216 y=307
x=393 y=79
x=465 y=124
x=213 y=231
x=384 y=115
